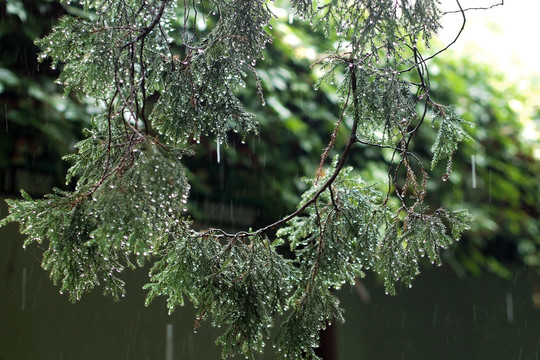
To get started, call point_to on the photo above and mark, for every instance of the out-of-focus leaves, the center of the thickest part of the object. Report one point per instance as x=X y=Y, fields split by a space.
x=38 y=125
x=8 y=79
x=506 y=199
x=16 y=7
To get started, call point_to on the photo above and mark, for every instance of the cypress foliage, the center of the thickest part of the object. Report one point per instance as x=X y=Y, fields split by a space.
x=129 y=202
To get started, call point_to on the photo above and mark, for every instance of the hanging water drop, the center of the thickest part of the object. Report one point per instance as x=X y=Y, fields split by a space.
x=218 y=142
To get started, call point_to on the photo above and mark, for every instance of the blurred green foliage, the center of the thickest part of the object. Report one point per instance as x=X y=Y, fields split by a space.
x=496 y=177
x=38 y=125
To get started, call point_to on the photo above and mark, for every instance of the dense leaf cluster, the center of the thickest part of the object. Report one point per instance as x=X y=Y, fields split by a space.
x=131 y=189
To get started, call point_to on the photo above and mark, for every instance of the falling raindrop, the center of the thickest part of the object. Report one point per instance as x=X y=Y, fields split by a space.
x=232 y=213
x=509 y=308
x=23 y=300
x=5 y=113
x=473 y=170
x=169 y=349
x=489 y=190
x=218 y=151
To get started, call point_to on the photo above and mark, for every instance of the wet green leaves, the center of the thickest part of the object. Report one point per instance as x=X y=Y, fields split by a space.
x=451 y=132
x=129 y=203
x=417 y=235
x=199 y=98
x=93 y=233
x=241 y=284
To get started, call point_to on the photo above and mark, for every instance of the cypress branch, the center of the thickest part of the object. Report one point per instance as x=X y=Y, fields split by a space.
x=129 y=203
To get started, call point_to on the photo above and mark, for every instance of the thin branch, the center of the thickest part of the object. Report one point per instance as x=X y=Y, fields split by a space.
x=143 y=89
x=475 y=8
x=146 y=30
x=447 y=46
x=333 y=198
x=326 y=185
x=363 y=142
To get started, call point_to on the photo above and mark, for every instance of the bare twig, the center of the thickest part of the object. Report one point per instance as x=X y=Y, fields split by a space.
x=474 y=8
x=447 y=46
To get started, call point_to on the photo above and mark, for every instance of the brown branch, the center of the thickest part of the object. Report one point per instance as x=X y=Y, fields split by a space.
x=447 y=46
x=332 y=139
x=143 y=89
x=131 y=99
x=326 y=185
x=146 y=30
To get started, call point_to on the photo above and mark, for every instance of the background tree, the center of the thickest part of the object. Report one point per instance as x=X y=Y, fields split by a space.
x=232 y=246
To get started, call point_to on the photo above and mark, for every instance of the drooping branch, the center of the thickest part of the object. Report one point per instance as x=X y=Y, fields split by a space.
x=130 y=199
x=475 y=8
x=419 y=64
x=323 y=187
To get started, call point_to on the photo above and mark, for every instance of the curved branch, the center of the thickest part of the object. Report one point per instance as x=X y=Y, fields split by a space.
x=326 y=185
x=146 y=30
x=446 y=47
x=475 y=8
